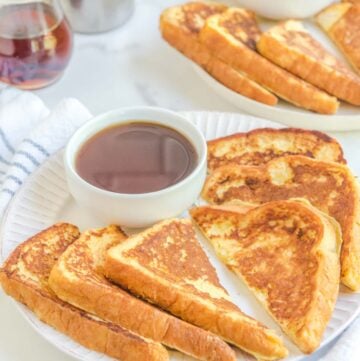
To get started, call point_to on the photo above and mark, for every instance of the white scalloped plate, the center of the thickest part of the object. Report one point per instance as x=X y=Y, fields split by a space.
x=44 y=199
x=347 y=117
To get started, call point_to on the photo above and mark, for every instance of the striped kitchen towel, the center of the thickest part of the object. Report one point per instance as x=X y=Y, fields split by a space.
x=30 y=133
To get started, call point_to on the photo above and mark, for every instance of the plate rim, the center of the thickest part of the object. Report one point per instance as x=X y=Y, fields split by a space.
x=24 y=310
x=20 y=307
x=322 y=122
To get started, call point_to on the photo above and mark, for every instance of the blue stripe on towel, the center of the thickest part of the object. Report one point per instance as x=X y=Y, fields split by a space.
x=15 y=164
x=6 y=142
x=14 y=179
x=3 y=160
x=29 y=157
x=38 y=147
x=8 y=191
x=20 y=166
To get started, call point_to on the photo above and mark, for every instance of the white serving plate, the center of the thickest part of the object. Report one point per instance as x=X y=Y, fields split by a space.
x=44 y=199
x=347 y=117
x=280 y=9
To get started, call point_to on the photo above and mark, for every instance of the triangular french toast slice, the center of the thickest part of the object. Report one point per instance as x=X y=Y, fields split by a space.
x=287 y=253
x=291 y=46
x=24 y=276
x=180 y=27
x=166 y=265
x=342 y=23
x=331 y=187
x=232 y=36
x=259 y=146
x=78 y=279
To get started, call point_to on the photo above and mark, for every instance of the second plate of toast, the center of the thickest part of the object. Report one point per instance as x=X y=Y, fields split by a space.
x=290 y=72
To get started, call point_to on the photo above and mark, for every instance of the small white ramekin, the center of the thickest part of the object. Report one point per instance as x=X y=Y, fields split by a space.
x=136 y=210
x=285 y=9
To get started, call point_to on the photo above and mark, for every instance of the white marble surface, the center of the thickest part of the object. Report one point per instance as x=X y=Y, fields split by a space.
x=126 y=67
x=132 y=66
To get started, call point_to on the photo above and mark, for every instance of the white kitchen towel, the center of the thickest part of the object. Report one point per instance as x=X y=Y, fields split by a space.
x=19 y=113
x=29 y=134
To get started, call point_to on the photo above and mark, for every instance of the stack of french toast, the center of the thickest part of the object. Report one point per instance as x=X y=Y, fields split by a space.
x=282 y=214
x=284 y=62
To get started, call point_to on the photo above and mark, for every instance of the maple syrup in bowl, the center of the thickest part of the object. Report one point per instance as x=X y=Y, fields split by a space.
x=35 y=43
x=136 y=166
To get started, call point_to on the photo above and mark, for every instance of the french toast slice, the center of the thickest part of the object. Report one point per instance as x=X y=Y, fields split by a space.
x=24 y=276
x=331 y=187
x=259 y=146
x=232 y=36
x=287 y=253
x=180 y=27
x=166 y=265
x=342 y=24
x=77 y=278
x=291 y=46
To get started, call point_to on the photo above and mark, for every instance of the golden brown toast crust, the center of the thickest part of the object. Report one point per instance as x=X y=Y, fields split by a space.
x=180 y=27
x=166 y=265
x=288 y=254
x=78 y=278
x=24 y=277
x=192 y=15
x=291 y=46
x=243 y=26
x=154 y=252
x=227 y=43
x=239 y=82
x=344 y=31
x=259 y=146
x=37 y=255
x=329 y=186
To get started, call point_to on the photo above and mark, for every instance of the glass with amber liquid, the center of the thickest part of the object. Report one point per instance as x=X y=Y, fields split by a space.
x=35 y=42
